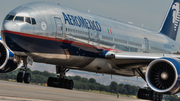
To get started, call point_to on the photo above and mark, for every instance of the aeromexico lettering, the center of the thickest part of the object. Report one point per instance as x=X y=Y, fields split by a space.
x=81 y=22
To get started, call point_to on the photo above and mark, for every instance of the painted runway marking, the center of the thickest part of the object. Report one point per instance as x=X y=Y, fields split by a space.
x=3 y=98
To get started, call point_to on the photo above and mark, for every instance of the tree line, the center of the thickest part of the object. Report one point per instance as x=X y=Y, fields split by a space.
x=82 y=83
x=38 y=77
x=114 y=87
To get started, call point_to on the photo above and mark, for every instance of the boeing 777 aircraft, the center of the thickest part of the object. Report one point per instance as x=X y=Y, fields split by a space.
x=71 y=39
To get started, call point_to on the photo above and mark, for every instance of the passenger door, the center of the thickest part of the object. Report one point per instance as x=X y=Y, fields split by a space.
x=59 y=28
x=146 y=45
x=96 y=38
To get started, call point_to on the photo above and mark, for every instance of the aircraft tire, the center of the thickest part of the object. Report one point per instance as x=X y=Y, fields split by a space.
x=62 y=83
x=19 y=77
x=149 y=95
x=66 y=83
x=27 y=78
x=140 y=91
x=71 y=84
x=158 y=97
x=143 y=94
x=152 y=95
x=50 y=82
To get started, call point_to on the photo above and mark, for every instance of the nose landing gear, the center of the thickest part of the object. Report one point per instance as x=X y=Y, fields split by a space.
x=60 y=81
x=23 y=75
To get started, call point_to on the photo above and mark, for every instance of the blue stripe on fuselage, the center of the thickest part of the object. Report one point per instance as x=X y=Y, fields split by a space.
x=40 y=44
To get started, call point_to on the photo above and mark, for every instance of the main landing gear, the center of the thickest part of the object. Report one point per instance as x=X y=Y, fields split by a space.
x=60 y=81
x=149 y=95
x=23 y=75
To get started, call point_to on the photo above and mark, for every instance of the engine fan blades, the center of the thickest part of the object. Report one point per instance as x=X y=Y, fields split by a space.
x=162 y=75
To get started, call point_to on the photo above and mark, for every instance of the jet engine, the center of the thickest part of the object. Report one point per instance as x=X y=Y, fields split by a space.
x=6 y=60
x=163 y=75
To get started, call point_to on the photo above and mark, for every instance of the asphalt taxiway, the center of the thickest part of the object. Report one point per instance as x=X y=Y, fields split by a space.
x=13 y=91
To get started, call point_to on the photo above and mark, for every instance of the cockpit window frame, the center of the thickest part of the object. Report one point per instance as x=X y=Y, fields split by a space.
x=29 y=19
x=33 y=23
x=10 y=19
x=32 y=20
x=7 y=16
x=19 y=17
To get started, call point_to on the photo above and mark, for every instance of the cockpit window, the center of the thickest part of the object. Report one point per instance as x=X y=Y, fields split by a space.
x=10 y=17
x=19 y=18
x=6 y=17
x=33 y=21
x=28 y=20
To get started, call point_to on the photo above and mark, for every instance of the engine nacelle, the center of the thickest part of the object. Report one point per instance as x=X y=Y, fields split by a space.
x=6 y=60
x=163 y=75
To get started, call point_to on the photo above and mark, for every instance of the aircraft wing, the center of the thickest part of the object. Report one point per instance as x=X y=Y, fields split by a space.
x=136 y=55
x=127 y=63
x=126 y=60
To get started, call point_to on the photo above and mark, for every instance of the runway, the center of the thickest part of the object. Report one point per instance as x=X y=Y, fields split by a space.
x=13 y=91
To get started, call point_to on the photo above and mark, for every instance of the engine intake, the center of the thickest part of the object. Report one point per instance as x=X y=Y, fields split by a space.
x=6 y=60
x=162 y=75
x=3 y=54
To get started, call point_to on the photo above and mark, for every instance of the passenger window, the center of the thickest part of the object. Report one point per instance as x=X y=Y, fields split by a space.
x=28 y=20
x=18 y=18
x=33 y=21
x=11 y=17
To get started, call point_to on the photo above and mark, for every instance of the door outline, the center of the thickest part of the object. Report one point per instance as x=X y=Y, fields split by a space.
x=146 y=45
x=59 y=28
x=96 y=38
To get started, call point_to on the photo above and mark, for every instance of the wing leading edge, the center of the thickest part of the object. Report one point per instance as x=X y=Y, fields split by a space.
x=131 y=60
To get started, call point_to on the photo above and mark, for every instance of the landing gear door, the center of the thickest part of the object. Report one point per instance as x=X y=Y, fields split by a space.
x=59 y=28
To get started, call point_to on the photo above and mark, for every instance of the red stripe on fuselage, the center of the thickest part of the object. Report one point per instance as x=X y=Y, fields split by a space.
x=47 y=38
x=58 y=40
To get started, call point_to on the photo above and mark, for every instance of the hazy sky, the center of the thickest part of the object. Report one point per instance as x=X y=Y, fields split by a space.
x=149 y=13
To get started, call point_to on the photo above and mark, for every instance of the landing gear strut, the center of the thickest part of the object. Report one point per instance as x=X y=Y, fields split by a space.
x=23 y=75
x=60 y=81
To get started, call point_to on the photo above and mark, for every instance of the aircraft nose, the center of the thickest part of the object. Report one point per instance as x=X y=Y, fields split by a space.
x=11 y=26
x=8 y=32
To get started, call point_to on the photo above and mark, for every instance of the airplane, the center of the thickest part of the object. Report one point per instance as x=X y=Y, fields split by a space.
x=48 y=33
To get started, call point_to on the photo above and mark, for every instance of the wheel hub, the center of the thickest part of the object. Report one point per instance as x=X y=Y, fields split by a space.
x=164 y=75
